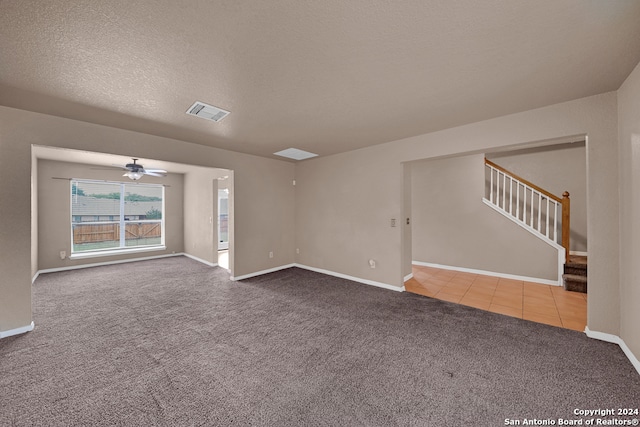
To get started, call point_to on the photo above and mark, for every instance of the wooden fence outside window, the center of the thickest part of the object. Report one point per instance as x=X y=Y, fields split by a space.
x=93 y=233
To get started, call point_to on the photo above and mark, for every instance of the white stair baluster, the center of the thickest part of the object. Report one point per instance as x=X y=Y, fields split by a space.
x=531 y=199
x=496 y=195
x=504 y=190
x=518 y=200
x=546 y=223
x=532 y=203
x=510 y=196
x=491 y=185
x=539 y=211
x=555 y=222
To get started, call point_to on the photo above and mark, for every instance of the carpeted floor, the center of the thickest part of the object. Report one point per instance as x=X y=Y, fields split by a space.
x=172 y=342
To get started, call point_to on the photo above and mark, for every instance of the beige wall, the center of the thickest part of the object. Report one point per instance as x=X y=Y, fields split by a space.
x=406 y=220
x=54 y=226
x=452 y=226
x=15 y=226
x=344 y=207
x=345 y=202
x=556 y=168
x=629 y=131
x=34 y=215
x=263 y=196
x=200 y=215
x=342 y=204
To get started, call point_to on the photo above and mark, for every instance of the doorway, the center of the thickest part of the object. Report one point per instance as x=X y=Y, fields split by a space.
x=223 y=224
x=223 y=219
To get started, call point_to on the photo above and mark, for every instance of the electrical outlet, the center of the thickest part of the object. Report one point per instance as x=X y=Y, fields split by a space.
x=270 y=254
x=372 y=263
x=393 y=222
x=297 y=250
x=63 y=254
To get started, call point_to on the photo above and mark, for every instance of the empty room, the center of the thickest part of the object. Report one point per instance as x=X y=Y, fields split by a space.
x=319 y=213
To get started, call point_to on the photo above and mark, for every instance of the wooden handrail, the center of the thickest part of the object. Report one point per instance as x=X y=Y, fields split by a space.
x=564 y=201
x=524 y=181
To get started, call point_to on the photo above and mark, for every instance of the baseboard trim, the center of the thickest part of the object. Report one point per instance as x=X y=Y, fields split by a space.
x=488 y=273
x=408 y=277
x=261 y=272
x=200 y=260
x=17 y=331
x=99 y=264
x=322 y=271
x=602 y=336
x=352 y=278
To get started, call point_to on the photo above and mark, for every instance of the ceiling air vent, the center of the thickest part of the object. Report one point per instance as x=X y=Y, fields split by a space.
x=206 y=111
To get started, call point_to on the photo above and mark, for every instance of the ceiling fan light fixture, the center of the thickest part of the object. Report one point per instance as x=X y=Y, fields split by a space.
x=134 y=175
x=135 y=171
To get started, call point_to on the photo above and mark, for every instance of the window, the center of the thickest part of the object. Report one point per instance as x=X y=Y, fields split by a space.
x=115 y=217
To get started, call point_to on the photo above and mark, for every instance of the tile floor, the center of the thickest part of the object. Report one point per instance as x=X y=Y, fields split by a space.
x=530 y=301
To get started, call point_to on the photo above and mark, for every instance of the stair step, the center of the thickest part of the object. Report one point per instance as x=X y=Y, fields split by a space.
x=575 y=283
x=578 y=259
x=577 y=269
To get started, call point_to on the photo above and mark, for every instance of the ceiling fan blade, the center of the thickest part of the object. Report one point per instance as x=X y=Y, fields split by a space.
x=136 y=168
x=120 y=167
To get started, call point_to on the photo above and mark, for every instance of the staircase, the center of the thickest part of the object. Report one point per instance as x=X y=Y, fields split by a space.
x=575 y=274
x=540 y=212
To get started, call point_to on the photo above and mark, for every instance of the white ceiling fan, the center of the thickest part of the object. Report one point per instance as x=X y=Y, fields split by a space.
x=135 y=171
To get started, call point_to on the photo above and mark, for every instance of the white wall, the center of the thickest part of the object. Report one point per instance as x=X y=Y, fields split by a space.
x=629 y=131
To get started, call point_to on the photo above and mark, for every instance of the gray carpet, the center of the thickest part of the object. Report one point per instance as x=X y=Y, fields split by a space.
x=172 y=342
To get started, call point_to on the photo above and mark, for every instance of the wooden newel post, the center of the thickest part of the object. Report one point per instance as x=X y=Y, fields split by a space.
x=566 y=223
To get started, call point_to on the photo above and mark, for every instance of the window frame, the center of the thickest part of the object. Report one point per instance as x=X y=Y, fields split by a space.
x=121 y=220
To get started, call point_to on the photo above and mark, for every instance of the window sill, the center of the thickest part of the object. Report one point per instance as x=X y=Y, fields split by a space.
x=96 y=254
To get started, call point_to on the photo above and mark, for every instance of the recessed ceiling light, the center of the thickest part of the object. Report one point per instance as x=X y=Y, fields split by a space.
x=295 y=154
x=206 y=111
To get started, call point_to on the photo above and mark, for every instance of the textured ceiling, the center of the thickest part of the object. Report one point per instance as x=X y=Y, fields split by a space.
x=322 y=76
